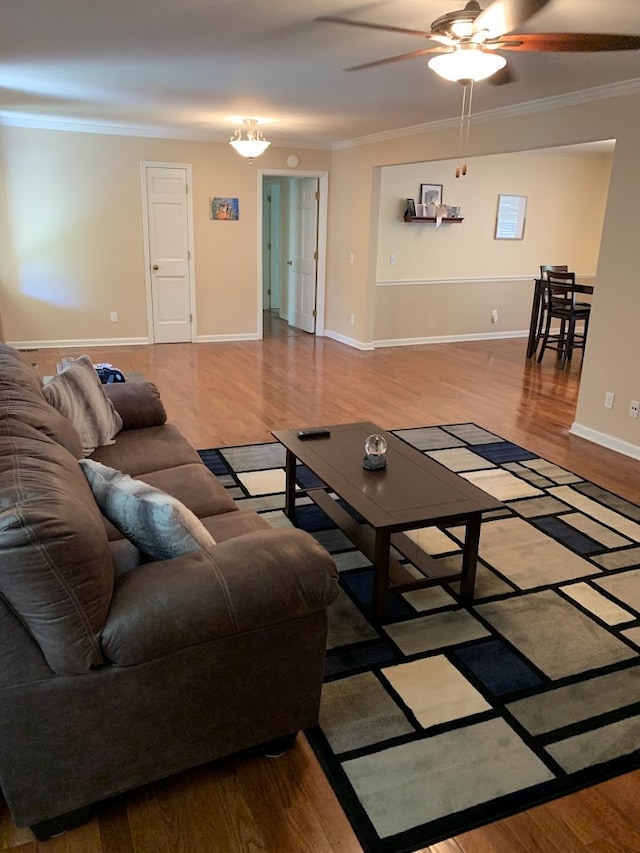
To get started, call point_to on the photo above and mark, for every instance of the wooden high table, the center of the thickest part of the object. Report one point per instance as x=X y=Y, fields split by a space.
x=536 y=310
x=412 y=492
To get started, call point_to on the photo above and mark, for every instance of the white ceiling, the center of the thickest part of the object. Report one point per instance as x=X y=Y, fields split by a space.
x=183 y=68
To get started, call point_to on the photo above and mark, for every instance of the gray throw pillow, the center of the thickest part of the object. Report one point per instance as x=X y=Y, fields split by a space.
x=78 y=395
x=154 y=521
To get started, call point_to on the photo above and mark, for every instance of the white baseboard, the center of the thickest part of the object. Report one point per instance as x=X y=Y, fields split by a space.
x=350 y=342
x=213 y=339
x=449 y=339
x=98 y=342
x=605 y=440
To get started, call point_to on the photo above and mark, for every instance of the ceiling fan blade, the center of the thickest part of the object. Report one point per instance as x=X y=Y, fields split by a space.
x=567 y=42
x=502 y=77
x=332 y=19
x=504 y=16
x=400 y=58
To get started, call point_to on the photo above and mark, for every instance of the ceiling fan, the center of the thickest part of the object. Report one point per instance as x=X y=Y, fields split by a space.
x=469 y=38
x=469 y=41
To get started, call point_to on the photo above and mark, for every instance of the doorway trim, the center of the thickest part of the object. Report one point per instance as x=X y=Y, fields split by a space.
x=144 y=165
x=321 y=270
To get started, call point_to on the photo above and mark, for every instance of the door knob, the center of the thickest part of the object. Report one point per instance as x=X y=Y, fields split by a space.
x=154 y=267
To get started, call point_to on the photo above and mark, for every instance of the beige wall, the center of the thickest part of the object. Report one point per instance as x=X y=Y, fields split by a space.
x=611 y=358
x=446 y=281
x=72 y=250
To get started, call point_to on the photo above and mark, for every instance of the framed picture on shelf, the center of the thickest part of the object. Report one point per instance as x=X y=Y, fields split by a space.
x=430 y=193
x=411 y=207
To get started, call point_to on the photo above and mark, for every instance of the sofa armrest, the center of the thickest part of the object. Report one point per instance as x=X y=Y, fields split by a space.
x=138 y=404
x=251 y=582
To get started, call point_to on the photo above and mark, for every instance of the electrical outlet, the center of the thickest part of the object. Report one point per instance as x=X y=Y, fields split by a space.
x=494 y=315
x=609 y=397
x=353 y=319
x=114 y=316
x=352 y=257
x=634 y=409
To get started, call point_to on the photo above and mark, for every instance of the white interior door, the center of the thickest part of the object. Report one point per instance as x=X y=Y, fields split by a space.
x=274 y=239
x=168 y=229
x=304 y=260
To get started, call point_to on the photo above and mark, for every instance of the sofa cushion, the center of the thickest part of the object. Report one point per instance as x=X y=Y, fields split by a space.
x=157 y=523
x=229 y=525
x=78 y=395
x=195 y=486
x=55 y=563
x=140 y=451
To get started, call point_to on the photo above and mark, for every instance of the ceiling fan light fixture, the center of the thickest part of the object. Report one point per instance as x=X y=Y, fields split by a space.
x=468 y=61
x=254 y=144
x=462 y=29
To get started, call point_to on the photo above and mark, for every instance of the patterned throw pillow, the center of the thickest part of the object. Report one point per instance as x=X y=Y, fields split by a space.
x=78 y=395
x=155 y=522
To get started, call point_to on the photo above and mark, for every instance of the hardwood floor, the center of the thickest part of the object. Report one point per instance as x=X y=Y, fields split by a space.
x=236 y=393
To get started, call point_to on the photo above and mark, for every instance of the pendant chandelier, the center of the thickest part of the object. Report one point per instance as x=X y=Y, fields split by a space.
x=253 y=144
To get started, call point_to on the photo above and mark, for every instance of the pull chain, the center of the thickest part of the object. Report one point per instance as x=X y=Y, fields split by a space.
x=465 y=127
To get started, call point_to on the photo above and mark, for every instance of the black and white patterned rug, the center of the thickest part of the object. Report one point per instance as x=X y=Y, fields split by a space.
x=451 y=715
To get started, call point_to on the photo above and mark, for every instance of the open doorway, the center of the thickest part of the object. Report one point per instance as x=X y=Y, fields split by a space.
x=293 y=210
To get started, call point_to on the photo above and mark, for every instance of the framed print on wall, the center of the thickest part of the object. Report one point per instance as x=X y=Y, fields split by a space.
x=224 y=208
x=430 y=193
x=511 y=217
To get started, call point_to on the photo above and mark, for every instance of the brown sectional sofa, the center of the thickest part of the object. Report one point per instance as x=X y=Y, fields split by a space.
x=115 y=670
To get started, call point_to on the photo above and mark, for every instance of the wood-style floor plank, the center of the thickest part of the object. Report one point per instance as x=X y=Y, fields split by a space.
x=236 y=393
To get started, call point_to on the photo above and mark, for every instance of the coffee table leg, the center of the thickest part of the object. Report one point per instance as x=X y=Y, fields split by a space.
x=290 y=487
x=381 y=573
x=470 y=556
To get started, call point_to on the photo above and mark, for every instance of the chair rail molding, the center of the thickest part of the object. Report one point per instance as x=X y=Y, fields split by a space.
x=395 y=282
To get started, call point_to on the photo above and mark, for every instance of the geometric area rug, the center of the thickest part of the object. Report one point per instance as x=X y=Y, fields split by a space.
x=453 y=715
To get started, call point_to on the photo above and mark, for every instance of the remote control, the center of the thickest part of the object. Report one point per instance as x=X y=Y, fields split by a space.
x=313 y=432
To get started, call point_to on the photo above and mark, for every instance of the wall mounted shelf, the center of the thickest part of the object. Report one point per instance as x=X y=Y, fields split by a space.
x=433 y=219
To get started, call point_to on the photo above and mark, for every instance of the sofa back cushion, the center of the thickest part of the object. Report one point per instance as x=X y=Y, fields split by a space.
x=55 y=564
x=21 y=397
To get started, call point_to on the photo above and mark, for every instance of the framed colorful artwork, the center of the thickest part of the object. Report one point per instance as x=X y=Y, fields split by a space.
x=224 y=208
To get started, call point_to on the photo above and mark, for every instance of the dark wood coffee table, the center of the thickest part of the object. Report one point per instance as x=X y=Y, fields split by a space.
x=412 y=492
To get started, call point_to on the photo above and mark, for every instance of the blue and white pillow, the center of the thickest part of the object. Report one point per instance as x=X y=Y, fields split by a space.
x=157 y=523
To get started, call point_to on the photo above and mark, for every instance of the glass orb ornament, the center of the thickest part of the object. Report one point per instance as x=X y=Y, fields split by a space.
x=375 y=453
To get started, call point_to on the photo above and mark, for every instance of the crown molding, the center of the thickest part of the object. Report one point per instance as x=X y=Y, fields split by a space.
x=597 y=93
x=43 y=122
x=10 y=118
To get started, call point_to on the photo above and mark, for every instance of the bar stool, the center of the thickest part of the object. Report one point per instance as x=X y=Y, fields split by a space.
x=559 y=303
x=544 y=269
